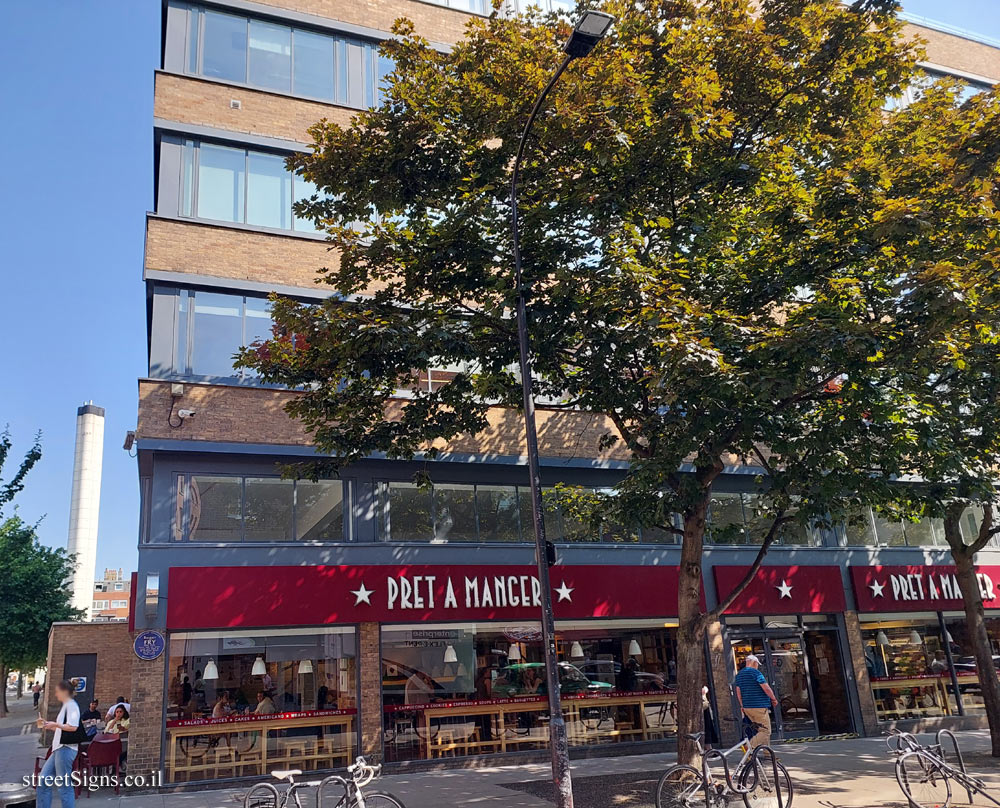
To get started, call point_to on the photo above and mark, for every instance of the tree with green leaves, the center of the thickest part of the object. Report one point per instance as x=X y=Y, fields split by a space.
x=948 y=156
x=33 y=590
x=713 y=253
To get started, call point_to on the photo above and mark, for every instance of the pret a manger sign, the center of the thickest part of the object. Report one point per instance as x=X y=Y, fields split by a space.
x=221 y=597
x=919 y=588
x=486 y=591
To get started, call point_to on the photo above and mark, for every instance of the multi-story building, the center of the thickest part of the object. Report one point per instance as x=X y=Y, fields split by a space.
x=112 y=595
x=363 y=614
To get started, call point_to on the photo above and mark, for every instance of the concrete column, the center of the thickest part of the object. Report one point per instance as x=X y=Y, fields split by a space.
x=718 y=655
x=866 y=699
x=146 y=719
x=370 y=712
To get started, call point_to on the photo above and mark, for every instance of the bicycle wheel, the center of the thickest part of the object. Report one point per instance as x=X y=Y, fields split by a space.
x=763 y=793
x=379 y=799
x=923 y=781
x=680 y=787
x=262 y=795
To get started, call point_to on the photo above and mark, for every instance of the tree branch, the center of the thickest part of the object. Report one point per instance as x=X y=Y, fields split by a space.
x=772 y=534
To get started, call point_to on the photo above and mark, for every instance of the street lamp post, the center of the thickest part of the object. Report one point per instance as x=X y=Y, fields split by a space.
x=589 y=30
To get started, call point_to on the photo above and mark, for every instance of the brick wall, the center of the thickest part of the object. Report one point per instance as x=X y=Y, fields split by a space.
x=434 y=22
x=113 y=645
x=146 y=726
x=197 y=101
x=860 y=669
x=370 y=709
x=958 y=53
x=227 y=252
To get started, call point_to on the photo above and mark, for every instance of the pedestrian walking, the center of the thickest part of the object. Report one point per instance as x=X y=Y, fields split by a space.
x=36 y=694
x=67 y=733
x=755 y=697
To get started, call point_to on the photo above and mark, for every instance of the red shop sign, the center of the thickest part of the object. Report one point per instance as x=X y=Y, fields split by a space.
x=229 y=597
x=251 y=718
x=783 y=590
x=918 y=588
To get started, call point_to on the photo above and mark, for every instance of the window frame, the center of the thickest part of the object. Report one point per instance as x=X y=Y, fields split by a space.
x=194 y=56
x=181 y=494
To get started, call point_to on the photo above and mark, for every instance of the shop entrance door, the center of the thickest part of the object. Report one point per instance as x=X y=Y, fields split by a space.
x=807 y=676
x=785 y=666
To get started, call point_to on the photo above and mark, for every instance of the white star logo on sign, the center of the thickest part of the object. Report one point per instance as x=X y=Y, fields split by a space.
x=362 y=595
x=876 y=589
x=564 y=592
x=784 y=589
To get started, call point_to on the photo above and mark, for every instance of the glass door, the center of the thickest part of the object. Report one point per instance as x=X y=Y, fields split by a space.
x=788 y=673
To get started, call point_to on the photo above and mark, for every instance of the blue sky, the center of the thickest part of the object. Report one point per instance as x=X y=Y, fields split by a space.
x=77 y=90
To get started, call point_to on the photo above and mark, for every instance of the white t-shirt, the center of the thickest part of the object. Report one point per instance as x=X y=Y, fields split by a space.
x=69 y=714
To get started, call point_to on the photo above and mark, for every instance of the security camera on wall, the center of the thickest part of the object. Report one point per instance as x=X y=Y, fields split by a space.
x=185 y=414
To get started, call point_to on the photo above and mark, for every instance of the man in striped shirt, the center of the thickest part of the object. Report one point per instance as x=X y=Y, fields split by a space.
x=755 y=697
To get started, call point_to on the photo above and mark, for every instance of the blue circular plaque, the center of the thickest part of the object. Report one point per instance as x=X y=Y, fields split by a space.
x=149 y=645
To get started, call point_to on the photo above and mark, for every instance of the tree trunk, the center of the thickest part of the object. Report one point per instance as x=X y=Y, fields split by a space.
x=20 y=685
x=976 y=626
x=3 y=694
x=690 y=635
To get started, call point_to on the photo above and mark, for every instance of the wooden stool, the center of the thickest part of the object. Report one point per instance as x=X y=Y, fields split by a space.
x=225 y=758
x=444 y=743
x=292 y=752
x=253 y=759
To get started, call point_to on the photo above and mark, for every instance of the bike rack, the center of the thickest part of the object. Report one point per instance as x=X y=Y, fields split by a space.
x=333 y=778
x=711 y=754
x=774 y=768
x=947 y=733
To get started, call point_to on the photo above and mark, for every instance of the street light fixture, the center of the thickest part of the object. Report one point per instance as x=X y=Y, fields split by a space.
x=589 y=30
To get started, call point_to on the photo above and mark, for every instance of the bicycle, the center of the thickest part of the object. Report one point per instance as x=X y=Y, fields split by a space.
x=266 y=795
x=924 y=773
x=683 y=786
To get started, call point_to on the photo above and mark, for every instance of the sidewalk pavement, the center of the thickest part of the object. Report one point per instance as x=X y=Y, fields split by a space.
x=856 y=773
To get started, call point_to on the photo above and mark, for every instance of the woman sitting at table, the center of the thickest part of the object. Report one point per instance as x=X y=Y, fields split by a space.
x=119 y=724
x=222 y=708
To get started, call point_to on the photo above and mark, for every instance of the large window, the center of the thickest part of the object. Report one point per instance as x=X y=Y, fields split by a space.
x=958 y=637
x=906 y=663
x=452 y=512
x=743 y=519
x=866 y=528
x=210 y=329
x=478 y=688
x=281 y=58
x=216 y=508
x=968 y=89
x=229 y=184
x=236 y=697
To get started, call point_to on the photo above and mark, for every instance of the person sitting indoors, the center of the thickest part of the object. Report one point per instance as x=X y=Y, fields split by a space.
x=91 y=720
x=265 y=704
x=222 y=708
x=119 y=724
x=121 y=701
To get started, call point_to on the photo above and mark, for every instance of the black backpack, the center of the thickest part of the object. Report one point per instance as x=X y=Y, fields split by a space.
x=79 y=735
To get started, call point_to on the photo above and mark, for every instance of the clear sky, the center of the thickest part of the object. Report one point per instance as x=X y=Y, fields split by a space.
x=77 y=90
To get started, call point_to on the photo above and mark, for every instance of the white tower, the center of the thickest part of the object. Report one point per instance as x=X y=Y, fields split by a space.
x=85 y=502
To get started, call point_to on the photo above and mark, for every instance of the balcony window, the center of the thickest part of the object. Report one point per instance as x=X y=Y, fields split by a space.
x=227 y=184
x=745 y=519
x=217 y=508
x=280 y=58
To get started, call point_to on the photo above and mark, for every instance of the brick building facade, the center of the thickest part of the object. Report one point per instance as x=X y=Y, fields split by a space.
x=379 y=618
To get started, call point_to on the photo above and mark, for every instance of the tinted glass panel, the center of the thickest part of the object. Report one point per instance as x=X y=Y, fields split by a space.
x=725 y=519
x=270 y=56
x=304 y=190
x=889 y=532
x=313 y=65
x=258 y=320
x=923 y=533
x=409 y=513
x=858 y=529
x=499 y=516
x=221 y=173
x=224 y=52
x=269 y=193
x=218 y=334
x=454 y=513
x=214 y=508
x=268 y=509
x=319 y=510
